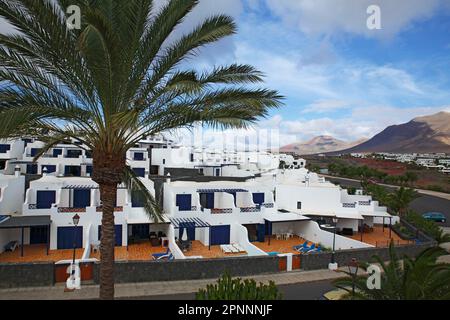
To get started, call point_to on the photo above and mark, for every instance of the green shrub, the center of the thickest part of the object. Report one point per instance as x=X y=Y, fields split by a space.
x=236 y=289
x=427 y=226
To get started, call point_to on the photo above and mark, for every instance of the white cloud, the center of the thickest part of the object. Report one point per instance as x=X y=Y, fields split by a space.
x=329 y=17
x=323 y=106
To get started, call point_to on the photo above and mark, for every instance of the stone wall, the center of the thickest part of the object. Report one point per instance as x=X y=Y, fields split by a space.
x=148 y=271
x=316 y=261
x=16 y=275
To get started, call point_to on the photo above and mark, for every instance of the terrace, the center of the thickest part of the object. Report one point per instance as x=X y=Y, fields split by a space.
x=379 y=237
x=37 y=253
x=198 y=249
x=272 y=244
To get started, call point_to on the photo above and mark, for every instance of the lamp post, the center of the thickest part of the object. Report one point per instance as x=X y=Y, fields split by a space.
x=333 y=265
x=353 y=270
x=75 y=219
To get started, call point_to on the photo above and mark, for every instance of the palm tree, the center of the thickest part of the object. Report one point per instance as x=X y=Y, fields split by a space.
x=114 y=81
x=421 y=278
x=400 y=199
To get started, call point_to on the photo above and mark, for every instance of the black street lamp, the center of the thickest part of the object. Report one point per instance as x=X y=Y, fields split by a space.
x=335 y=221
x=75 y=219
x=353 y=270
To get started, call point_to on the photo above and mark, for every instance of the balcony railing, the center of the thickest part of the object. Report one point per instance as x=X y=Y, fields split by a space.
x=268 y=205
x=32 y=206
x=116 y=209
x=364 y=203
x=250 y=209
x=221 y=211
x=349 y=205
x=71 y=210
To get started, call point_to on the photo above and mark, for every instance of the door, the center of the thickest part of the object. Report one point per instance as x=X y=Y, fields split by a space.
x=261 y=229
x=217 y=172
x=140 y=172
x=184 y=202
x=117 y=234
x=207 y=200
x=38 y=235
x=32 y=168
x=220 y=235
x=140 y=231
x=258 y=198
x=50 y=168
x=81 y=198
x=137 y=199
x=252 y=232
x=45 y=199
x=67 y=235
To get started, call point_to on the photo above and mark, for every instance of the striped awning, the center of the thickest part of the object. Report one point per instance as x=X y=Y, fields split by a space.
x=189 y=223
x=220 y=190
x=3 y=218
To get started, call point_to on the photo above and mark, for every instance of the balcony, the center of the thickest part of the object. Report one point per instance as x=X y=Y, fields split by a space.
x=349 y=205
x=71 y=210
x=221 y=211
x=116 y=209
x=364 y=203
x=251 y=209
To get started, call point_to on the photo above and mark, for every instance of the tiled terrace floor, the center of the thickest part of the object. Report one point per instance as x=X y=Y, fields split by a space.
x=37 y=253
x=280 y=246
x=379 y=238
x=198 y=249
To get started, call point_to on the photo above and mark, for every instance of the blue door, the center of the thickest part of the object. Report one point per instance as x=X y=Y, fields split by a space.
x=117 y=234
x=261 y=230
x=50 y=168
x=67 y=235
x=57 y=152
x=32 y=168
x=81 y=198
x=38 y=235
x=258 y=198
x=45 y=199
x=207 y=200
x=220 y=235
x=184 y=202
x=190 y=231
x=140 y=172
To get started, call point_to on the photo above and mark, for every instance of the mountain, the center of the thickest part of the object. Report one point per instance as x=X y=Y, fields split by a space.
x=320 y=144
x=420 y=135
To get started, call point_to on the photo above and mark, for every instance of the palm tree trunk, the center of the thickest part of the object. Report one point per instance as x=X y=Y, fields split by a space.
x=108 y=194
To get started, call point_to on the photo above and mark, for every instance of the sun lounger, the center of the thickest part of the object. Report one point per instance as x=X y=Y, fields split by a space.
x=166 y=256
x=238 y=248
x=11 y=246
x=156 y=256
x=226 y=248
x=300 y=245
x=314 y=249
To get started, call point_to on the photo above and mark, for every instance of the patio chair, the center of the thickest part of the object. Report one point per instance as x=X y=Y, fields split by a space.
x=225 y=248
x=161 y=254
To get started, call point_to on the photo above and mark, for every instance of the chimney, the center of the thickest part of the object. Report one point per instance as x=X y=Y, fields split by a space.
x=17 y=171
x=44 y=171
x=168 y=180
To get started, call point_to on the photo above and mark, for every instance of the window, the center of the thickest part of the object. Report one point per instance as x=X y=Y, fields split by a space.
x=164 y=161
x=4 y=148
x=299 y=205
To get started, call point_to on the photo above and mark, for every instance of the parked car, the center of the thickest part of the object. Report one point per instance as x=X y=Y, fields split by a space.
x=435 y=216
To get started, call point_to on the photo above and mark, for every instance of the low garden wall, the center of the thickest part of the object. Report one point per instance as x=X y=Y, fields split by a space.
x=316 y=261
x=17 y=275
x=148 y=271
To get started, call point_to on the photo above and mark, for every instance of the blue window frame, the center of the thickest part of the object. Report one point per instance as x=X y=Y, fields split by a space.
x=184 y=202
x=137 y=199
x=34 y=151
x=190 y=231
x=73 y=154
x=207 y=200
x=32 y=168
x=74 y=171
x=57 y=152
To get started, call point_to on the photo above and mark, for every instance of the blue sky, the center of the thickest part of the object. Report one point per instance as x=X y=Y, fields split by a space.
x=340 y=78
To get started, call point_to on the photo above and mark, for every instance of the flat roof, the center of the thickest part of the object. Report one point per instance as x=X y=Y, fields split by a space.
x=25 y=222
x=285 y=217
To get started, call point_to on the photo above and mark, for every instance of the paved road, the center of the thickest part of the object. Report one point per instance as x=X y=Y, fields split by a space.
x=424 y=203
x=298 y=291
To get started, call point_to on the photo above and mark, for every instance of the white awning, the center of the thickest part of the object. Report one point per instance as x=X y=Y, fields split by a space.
x=377 y=214
x=339 y=215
